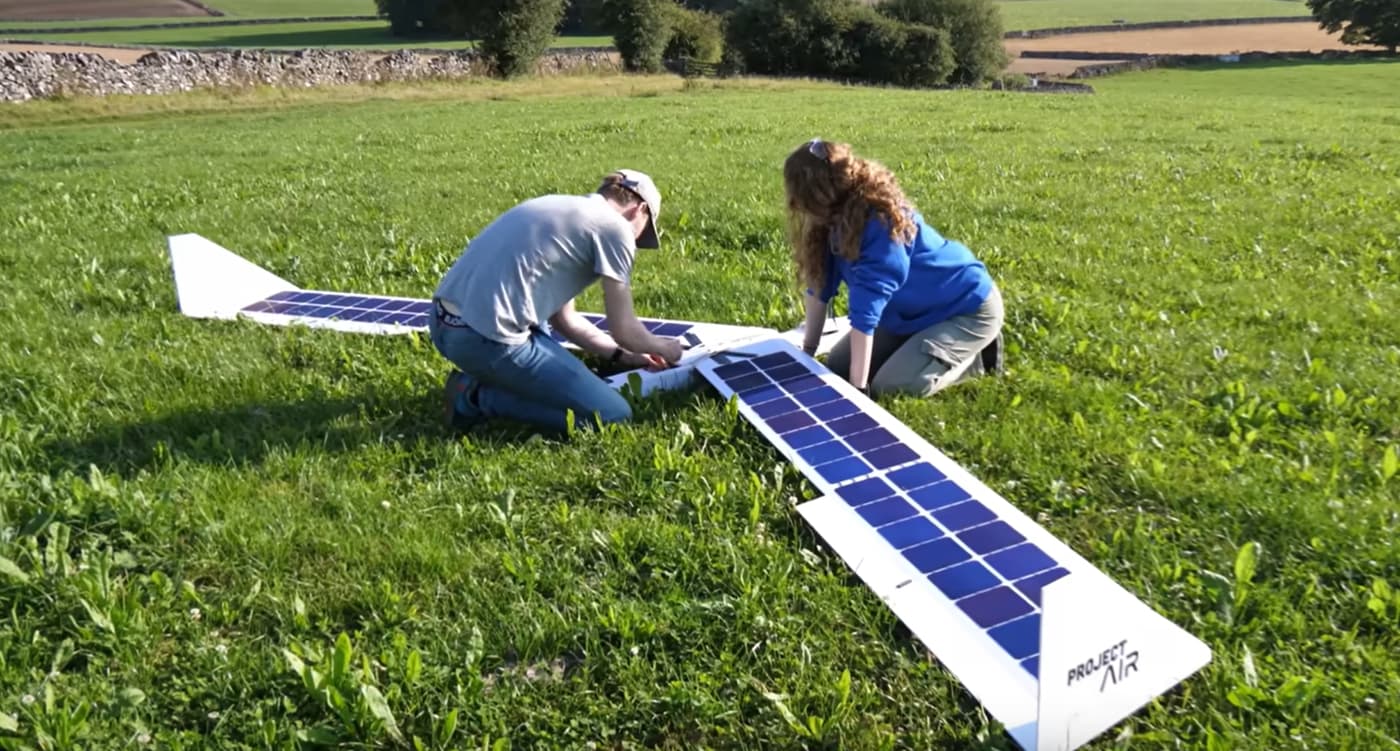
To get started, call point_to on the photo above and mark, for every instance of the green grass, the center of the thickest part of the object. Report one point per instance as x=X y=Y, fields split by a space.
x=1045 y=14
x=329 y=34
x=1200 y=273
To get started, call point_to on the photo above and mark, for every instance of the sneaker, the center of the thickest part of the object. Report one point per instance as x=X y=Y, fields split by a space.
x=994 y=358
x=458 y=395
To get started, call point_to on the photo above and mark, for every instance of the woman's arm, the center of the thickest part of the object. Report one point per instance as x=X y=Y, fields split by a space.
x=816 y=321
x=860 y=360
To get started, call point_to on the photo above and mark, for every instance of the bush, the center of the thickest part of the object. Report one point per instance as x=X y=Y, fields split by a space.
x=927 y=57
x=514 y=33
x=974 y=28
x=837 y=39
x=640 y=30
x=695 y=34
x=795 y=37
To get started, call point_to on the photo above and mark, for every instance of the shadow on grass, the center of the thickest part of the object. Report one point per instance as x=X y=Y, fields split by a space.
x=248 y=433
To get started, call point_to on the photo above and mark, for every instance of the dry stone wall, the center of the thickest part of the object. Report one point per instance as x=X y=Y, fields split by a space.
x=39 y=75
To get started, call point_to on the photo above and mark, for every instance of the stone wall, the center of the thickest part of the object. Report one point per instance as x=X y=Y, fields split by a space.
x=40 y=75
x=1146 y=62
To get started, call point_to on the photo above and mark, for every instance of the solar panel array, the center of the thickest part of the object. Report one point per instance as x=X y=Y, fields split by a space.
x=987 y=568
x=410 y=313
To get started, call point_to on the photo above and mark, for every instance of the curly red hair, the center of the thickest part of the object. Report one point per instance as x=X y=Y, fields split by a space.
x=830 y=189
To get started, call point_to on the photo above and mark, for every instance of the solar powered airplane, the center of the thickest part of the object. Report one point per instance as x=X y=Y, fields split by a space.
x=1053 y=648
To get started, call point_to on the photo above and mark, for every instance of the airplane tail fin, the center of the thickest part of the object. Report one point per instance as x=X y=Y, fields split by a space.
x=1104 y=655
x=214 y=282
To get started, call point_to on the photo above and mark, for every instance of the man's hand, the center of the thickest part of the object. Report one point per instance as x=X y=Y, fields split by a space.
x=643 y=360
x=669 y=348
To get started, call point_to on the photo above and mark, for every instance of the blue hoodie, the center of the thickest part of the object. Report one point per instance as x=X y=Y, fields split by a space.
x=907 y=288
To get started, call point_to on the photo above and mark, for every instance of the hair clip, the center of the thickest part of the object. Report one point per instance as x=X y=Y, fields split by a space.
x=816 y=148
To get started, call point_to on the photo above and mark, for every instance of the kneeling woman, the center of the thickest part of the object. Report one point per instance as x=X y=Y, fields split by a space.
x=924 y=312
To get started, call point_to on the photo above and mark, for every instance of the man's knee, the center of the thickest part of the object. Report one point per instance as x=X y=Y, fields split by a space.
x=610 y=409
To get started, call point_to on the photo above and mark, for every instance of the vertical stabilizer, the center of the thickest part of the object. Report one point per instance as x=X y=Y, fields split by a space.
x=213 y=282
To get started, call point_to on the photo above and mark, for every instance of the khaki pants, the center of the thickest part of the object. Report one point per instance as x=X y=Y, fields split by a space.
x=922 y=364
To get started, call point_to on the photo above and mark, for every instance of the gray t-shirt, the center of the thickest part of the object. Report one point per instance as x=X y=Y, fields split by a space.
x=535 y=258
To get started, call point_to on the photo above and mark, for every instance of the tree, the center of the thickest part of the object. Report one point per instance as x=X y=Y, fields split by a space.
x=1360 y=21
x=514 y=33
x=640 y=29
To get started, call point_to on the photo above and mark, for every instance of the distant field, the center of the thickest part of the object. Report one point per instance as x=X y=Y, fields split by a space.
x=1043 y=14
x=38 y=10
x=329 y=34
x=294 y=8
x=19 y=14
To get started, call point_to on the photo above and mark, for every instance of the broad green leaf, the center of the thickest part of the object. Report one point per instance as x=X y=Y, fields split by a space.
x=1390 y=463
x=1246 y=561
x=9 y=723
x=340 y=661
x=10 y=569
x=379 y=707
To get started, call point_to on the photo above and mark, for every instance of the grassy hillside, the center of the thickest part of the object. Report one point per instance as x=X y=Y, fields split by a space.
x=1200 y=273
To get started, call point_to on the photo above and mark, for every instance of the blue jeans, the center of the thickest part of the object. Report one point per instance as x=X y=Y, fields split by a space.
x=536 y=382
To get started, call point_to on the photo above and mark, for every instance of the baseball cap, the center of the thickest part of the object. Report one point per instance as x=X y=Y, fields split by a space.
x=641 y=184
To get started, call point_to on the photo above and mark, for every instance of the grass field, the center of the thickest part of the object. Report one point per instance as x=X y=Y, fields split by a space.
x=1200 y=272
x=332 y=34
x=1044 y=14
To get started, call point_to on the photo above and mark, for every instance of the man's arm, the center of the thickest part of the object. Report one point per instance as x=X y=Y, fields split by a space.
x=578 y=330
x=629 y=332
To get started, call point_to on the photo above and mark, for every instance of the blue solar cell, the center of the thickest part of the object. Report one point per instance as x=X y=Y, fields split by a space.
x=790 y=422
x=1032 y=666
x=939 y=494
x=843 y=469
x=761 y=395
x=910 y=532
x=788 y=372
x=821 y=396
x=285 y=294
x=1031 y=586
x=915 y=476
x=1022 y=560
x=776 y=407
x=1020 y=638
x=995 y=606
x=805 y=383
x=301 y=296
x=852 y=424
x=356 y=314
x=884 y=512
x=261 y=306
x=672 y=329
x=768 y=362
x=420 y=321
x=865 y=491
x=963 y=515
x=989 y=537
x=824 y=453
x=890 y=456
x=936 y=554
x=419 y=307
x=832 y=410
x=733 y=369
x=867 y=440
x=965 y=579
x=748 y=382
x=808 y=437
x=405 y=317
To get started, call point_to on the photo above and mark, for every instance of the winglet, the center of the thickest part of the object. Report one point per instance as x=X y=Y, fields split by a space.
x=1104 y=655
x=214 y=282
